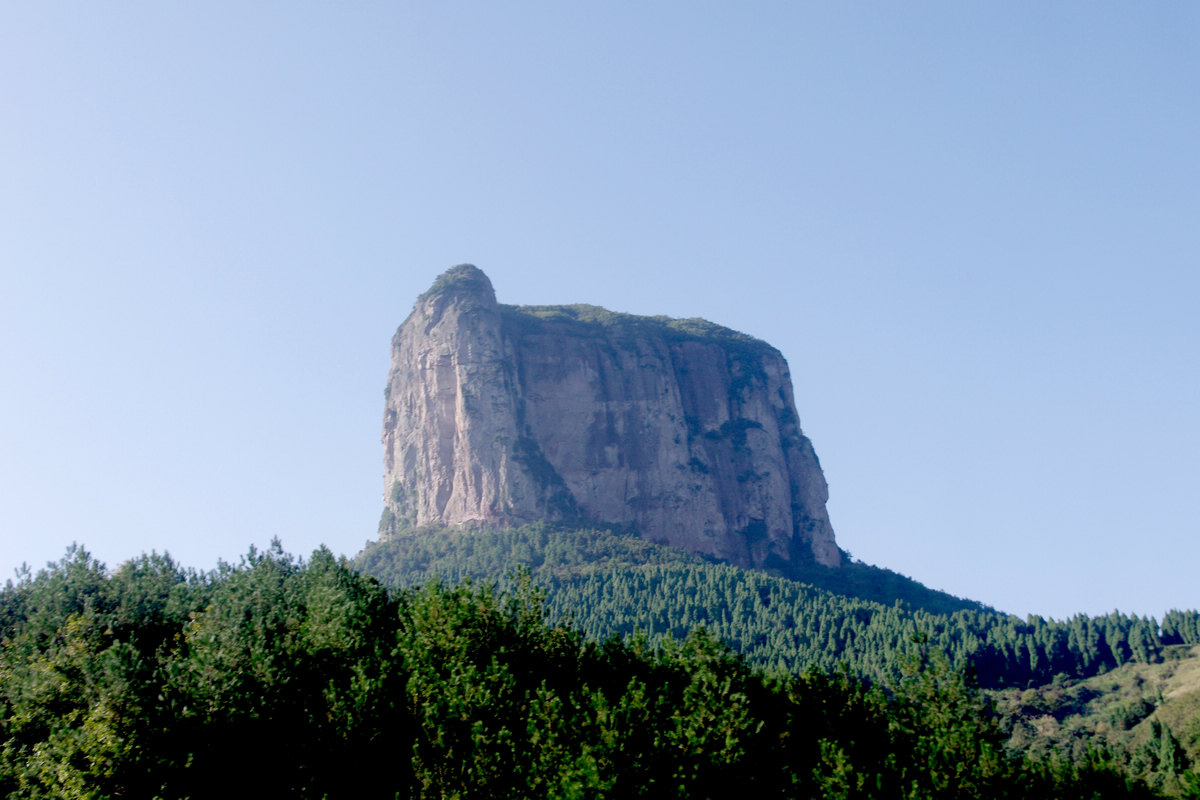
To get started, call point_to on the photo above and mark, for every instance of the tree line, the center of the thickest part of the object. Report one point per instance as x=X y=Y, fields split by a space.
x=304 y=678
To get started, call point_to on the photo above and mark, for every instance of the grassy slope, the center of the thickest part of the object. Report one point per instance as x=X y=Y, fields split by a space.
x=1128 y=710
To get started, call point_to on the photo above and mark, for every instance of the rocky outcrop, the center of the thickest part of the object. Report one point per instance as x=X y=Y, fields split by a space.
x=681 y=430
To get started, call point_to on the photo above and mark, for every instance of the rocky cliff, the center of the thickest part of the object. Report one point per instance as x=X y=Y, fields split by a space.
x=679 y=429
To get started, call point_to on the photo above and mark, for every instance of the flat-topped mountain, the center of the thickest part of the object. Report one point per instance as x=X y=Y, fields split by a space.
x=681 y=430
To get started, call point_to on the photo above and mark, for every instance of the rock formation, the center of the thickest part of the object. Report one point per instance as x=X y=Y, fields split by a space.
x=681 y=430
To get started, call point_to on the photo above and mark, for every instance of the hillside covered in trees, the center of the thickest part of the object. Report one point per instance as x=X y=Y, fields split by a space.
x=1065 y=689
x=280 y=677
x=857 y=617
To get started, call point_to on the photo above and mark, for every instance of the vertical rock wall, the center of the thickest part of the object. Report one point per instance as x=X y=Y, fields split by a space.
x=679 y=429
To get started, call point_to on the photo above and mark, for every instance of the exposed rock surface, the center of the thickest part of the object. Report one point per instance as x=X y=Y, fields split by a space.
x=682 y=430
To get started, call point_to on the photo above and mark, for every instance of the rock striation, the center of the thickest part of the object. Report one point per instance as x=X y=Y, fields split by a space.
x=681 y=430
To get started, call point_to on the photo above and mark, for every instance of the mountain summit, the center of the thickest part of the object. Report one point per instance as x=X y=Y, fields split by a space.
x=681 y=430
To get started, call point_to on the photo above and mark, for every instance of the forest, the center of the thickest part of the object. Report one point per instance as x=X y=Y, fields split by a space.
x=307 y=678
x=858 y=618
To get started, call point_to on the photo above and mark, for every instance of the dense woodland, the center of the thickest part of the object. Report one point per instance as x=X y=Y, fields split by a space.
x=280 y=677
x=604 y=584
x=1065 y=689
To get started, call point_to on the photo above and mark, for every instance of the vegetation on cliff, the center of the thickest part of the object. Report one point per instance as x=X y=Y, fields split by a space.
x=590 y=321
x=281 y=677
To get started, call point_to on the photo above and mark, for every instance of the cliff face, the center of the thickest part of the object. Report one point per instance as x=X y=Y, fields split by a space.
x=679 y=429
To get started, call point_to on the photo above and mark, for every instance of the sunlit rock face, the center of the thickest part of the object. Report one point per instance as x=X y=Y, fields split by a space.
x=681 y=430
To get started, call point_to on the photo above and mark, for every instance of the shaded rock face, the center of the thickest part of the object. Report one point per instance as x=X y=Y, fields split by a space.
x=681 y=430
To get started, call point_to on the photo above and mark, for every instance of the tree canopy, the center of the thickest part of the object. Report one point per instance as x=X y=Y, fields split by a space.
x=305 y=678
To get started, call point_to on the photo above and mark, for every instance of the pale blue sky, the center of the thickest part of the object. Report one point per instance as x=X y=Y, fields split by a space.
x=971 y=229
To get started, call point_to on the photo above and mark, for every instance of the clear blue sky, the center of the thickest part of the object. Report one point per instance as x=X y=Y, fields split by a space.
x=973 y=230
